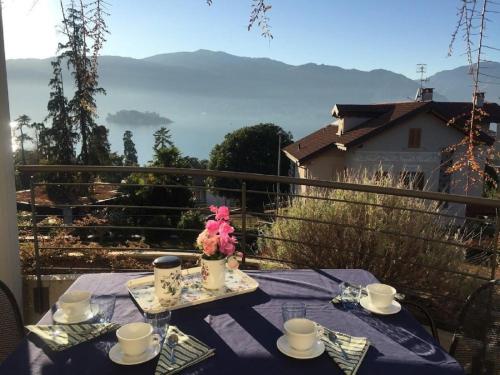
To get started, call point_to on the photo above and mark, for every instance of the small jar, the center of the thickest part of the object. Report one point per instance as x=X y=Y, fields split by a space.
x=168 y=278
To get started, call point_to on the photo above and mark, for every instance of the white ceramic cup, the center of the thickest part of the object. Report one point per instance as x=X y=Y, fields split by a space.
x=301 y=333
x=135 y=338
x=75 y=303
x=380 y=295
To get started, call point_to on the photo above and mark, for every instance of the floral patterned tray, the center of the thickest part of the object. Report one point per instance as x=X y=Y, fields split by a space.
x=143 y=292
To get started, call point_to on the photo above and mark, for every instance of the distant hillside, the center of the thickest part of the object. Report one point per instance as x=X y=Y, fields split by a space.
x=211 y=93
x=456 y=84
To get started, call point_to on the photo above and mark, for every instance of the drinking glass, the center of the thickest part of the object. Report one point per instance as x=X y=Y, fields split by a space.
x=293 y=310
x=159 y=321
x=106 y=306
x=349 y=294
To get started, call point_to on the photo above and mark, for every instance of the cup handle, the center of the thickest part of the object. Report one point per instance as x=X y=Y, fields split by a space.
x=320 y=331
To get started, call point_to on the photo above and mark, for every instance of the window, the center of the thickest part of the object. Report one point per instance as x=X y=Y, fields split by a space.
x=413 y=180
x=414 y=138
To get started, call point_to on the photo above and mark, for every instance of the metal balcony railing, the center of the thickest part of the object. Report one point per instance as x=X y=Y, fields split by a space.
x=477 y=237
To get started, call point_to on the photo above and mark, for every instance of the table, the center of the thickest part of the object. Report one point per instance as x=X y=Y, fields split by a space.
x=244 y=330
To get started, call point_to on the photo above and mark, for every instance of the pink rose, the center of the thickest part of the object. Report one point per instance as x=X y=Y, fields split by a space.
x=222 y=213
x=201 y=239
x=213 y=209
x=210 y=245
x=212 y=227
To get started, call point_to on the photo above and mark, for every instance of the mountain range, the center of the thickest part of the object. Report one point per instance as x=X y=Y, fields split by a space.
x=207 y=94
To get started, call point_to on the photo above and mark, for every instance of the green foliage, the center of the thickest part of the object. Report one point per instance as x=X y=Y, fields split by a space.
x=22 y=123
x=80 y=30
x=38 y=128
x=191 y=220
x=163 y=139
x=99 y=146
x=129 y=150
x=251 y=149
x=173 y=195
x=58 y=142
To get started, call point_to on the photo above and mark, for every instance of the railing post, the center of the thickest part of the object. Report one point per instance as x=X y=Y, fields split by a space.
x=244 y=220
x=40 y=294
x=494 y=251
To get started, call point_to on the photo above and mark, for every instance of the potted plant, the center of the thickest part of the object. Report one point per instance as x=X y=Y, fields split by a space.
x=217 y=243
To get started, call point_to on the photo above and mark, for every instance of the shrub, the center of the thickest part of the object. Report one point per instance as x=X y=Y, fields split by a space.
x=191 y=220
x=89 y=227
x=351 y=230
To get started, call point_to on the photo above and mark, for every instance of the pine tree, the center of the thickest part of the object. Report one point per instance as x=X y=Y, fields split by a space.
x=163 y=139
x=59 y=141
x=129 y=150
x=23 y=122
x=99 y=147
x=38 y=128
x=84 y=30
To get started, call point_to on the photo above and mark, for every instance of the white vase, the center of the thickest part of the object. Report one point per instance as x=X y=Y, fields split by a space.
x=213 y=273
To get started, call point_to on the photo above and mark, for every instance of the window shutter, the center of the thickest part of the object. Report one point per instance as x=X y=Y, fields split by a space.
x=414 y=138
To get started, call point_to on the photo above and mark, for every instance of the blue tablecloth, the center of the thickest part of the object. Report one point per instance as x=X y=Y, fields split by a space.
x=244 y=330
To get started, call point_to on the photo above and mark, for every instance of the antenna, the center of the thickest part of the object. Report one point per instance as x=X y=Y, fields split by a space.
x=422 y=69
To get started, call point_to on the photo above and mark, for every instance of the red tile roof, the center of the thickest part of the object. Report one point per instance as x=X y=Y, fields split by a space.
x=381 y=117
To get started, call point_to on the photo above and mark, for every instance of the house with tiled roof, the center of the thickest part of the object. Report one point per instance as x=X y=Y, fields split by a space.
x=409 y=138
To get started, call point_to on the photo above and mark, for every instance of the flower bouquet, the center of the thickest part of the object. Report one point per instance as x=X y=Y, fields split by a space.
x=217 y=243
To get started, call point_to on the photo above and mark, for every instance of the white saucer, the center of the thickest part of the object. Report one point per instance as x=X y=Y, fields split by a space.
x=393 y=308
x=314 y=352
x=60 y=318
x=117 y=356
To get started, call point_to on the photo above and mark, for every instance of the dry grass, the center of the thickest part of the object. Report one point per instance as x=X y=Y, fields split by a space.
x=384 y=241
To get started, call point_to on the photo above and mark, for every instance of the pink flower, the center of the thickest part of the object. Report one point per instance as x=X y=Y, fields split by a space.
x=210 y=245
x=227 y=244
x=213 y=209
x=201 y=239
x=225 y=229
x=222 y=213
x=233 y=263
x=212 y=227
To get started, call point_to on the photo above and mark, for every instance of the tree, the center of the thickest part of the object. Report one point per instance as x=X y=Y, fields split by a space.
x=258 y=15
x=472 y=20
x=38 y=128
x=195 y=163
x=99 y=147
x=58 y=141
x=85 y=29
x=250 y=149
x=23 y=122
x=129 y=150
x=170 y=192
x=163 y=139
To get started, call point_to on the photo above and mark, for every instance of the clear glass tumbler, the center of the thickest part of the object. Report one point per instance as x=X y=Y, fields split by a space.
x=159 y=321
x=106 y=307
x=350 y=295
x=291 y=310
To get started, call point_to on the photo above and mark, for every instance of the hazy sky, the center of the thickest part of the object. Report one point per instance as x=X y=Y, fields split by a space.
x=361 y=34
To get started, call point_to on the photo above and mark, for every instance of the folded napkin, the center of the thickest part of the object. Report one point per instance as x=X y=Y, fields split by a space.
x=61 y=337
x=189 y=351
x=346 y=351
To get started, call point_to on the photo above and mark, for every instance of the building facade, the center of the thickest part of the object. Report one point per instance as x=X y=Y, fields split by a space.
x=410 y=139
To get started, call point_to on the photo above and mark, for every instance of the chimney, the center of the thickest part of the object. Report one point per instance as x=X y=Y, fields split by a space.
x=478 y=99
x=424 y=94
